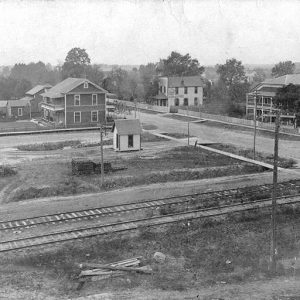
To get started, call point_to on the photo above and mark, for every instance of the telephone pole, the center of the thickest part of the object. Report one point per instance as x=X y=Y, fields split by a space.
x=274 y=195
x=101 y=147
x=255 y=117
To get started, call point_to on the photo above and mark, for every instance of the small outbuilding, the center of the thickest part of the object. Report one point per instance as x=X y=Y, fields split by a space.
x=127 y=135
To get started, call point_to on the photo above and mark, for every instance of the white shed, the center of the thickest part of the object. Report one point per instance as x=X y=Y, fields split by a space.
x=127 y=135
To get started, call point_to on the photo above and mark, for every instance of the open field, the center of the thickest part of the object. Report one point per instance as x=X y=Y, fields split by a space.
x=211 y=258
x=52 y=176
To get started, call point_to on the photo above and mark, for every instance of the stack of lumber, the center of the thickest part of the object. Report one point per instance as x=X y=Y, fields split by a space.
x=116 y=269
x=82 y=166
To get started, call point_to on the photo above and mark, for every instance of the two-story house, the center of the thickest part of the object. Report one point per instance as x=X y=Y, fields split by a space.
x=74 y=102
x=179 y=91
x=35 y=97
x=261 y=96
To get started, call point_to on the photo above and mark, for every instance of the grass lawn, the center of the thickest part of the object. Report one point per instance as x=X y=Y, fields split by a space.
x=248 y=130
x=180 y=117
x=53 y=177
x=267 y=158
x=146 y=137
x=17 y=126
x=177 y=135
x=213 y=257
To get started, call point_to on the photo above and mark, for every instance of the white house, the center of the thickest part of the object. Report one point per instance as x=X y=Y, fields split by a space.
x=127 y=135
x=179 y=91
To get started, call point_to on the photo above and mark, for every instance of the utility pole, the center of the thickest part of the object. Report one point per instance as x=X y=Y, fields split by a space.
x=254 y=116
x=101 y=147
x=274 y=195
x=188 y=125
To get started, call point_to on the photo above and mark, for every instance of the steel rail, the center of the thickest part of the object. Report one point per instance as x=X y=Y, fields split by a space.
x=87 y=232
x=240 y=194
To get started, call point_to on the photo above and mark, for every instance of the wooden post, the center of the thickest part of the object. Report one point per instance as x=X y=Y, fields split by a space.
x=102 y=161
x=274 y=195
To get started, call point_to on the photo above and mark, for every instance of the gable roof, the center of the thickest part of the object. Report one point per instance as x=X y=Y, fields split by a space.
x=179 y=81
x=18 y=103
x=38 y=88
x=68 y=85
x=127 y=126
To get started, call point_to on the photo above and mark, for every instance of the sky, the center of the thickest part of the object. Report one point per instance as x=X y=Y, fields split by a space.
x=137 y=32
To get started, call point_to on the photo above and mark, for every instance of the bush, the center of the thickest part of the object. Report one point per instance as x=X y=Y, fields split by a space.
x=7 y=171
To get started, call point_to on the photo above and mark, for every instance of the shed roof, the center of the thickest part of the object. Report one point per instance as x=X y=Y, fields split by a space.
x=18 y=103
x=127 y=126
x=68 y=85
x=38 y=88
x=179 y=81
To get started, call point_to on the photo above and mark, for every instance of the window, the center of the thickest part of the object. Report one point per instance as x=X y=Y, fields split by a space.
x=77 y=117
x=130 y=140
x=118 y=141
x=94 y=99
x=185 y=90
x=86 y=85
x=160 y=88
x=20 y=111
x=164 y=89
x=185 y=101
x=176 y=102
x=196 y=101
x=176 y=90
x=196 y=90
x=94 y=116
x=77 y=100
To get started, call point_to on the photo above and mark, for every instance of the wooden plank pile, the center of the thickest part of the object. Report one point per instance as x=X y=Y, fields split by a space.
x=98 y=272
x=84 y=166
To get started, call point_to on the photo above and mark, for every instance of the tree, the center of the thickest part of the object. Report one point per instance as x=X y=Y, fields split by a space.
x=148 y=75
x=232 y=72
x=283 y=68
x=180 y=65
x=117 y=82
x=75 y=63
x=260 y=75
x=288 y=98
x=95 y=74
x=21 y=88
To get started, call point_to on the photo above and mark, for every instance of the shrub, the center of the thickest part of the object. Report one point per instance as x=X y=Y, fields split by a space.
x=7 y=171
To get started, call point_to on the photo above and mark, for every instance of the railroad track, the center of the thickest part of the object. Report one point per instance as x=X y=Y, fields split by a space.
x=183 y=202
x=67 y=235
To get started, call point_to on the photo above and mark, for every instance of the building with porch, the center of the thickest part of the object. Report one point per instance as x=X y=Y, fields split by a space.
x=179 y=91
x=261 y=96
x=35 y=97
x=74 y=102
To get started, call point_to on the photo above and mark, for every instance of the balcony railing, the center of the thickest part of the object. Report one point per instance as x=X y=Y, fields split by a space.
x=52 y=107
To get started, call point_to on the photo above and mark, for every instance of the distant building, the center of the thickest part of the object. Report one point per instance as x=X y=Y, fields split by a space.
x=266 y=91
x=74 y=102
x=179 y=91
x=127 y=135
x=35 y=97
x=19 y=109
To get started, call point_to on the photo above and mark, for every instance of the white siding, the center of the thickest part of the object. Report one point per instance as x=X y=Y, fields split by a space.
x=124 y=142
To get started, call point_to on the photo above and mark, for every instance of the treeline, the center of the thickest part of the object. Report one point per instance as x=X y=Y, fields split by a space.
x=227 y=89
x=22 y=77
